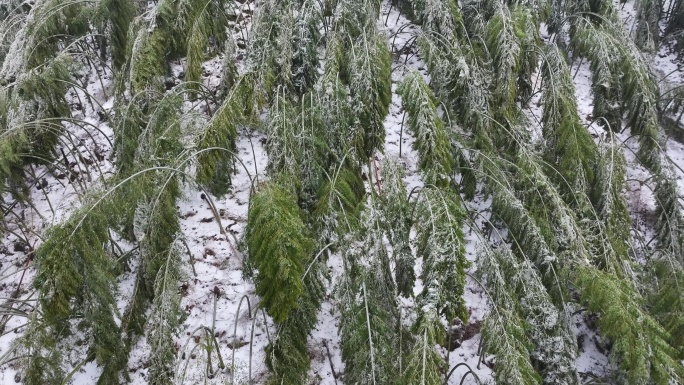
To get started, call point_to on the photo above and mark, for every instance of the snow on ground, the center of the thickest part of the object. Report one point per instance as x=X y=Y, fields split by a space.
x=217 y=296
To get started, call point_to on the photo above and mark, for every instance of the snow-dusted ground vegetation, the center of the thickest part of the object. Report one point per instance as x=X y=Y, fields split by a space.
x=411 y=192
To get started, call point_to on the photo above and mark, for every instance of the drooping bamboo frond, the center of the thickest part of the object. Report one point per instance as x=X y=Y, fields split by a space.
x=33 y=105
x=43 y=361
x=532 y=237
x=503 y=331
x=618 y=64
x=339 y=204
x=317 y=158
x=306 y=37
x=647 y=24
x=217 y=142
x=397 y=222
x=119 y=15
x=334 y=100
x=623 y=320
x=370 y=88
x=367 y=300
x=540 y=8
x=200 y=20
x=639 y=342
x=570 y=147
x=441 y=244
x=353 y=18
x=198 y=37
x=670 y=223
x=147 y=64
x=283 y=143
x=425 y=364
x=505 y=50
x=76 y=274
x=288 y=356
x=165 y=319
x=271 y=51
x=667 y=299
x=604 y=57
x=278 y=245
x=552 y=342
x=368 y=332
x=439 y=18
x=432 y=142
x=298 y=144
x=609 y=201
x=463 y=86
x=526 y=25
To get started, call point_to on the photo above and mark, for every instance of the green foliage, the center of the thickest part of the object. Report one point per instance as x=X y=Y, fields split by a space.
x=638 y=340
x=506 y=51
x=618 y=65
x=570 y=147
x=43 y=361
x=279 y=246
x=199 y=20
x=440 y=243
x=370 y=70
x=76 y=274
x=667 y=300
x=609 y=202
x=425 y=365
x=120 y=15
x=440 y=19
x=369 y=326
x=647 y=34
x=288 y=356
x=503 y=330
x=297 y=144
x=540 y=9
x=531 y=235
x=670 y=223
x=305 y=39
x=148 y=64
x=130 y=120
x=354 y=18
x=367 y=333
x=229 y=76
x=50 y=25
x=216 y=142
x=176 y=29
x=146 y=210
x=30 y=121
x=552 y=342
x=339 y=203
x=462 y=84
x=568 y=225
x=334 y=100
x=283 y=144
x=271 y=51
x=432 y=141
x=604 y=57
x=555 y=230
x=165 y=319
x=526 y=27
x=397 y=222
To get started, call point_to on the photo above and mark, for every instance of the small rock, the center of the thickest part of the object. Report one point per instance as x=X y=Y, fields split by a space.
x=20 y=246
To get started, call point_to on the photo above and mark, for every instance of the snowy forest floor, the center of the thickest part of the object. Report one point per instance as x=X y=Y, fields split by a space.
x=215 y=293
